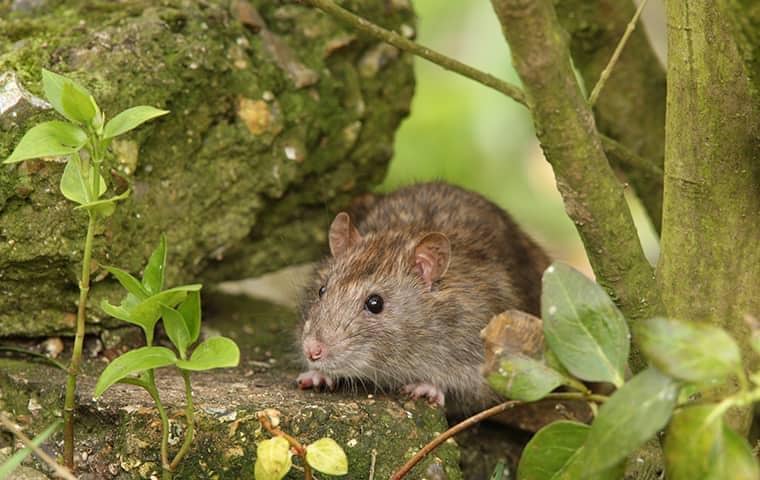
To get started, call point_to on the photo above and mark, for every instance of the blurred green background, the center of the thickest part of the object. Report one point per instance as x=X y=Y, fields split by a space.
x=472 y=136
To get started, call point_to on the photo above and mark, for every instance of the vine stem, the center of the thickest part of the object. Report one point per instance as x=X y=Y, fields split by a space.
x=297 y=446
x=190 y=417
x=479 y=417
x=615 y=55
x=76 y=356
x=403 y=43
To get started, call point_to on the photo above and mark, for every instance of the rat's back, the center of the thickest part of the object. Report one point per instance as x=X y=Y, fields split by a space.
x=480 y=232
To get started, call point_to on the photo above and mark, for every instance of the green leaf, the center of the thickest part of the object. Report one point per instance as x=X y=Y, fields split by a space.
x=146 y=313
x=104 y=208
x=737 y=458
x=176 y=329
x=76 y=182
x=326 y=456
x=695 y=352
x=54 y=84
x=130 y=283
x=699 y=445
x=628 y=419
x=216 y=352
x=692 y=444
x=153 y=276
x=273 y=459
x=522 y=378
x=48 y=139
x=499 y=471
x=583 y=327
x=191 y=312
x=551 y=452
x=79 y=106
x=129 y=119
x=12 y=463
x=132 y=362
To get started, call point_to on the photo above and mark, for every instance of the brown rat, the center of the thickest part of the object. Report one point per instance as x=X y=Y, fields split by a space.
x=402 y=300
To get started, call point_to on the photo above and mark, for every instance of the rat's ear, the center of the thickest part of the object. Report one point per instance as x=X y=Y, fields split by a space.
x=342 y=234
x=431 y=257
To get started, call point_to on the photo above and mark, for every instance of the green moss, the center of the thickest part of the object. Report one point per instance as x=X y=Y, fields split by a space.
x=120 y=431
x=231 y=202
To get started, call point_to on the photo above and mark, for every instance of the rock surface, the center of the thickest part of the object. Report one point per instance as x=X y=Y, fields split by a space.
x=279 y=115
x=118 y=435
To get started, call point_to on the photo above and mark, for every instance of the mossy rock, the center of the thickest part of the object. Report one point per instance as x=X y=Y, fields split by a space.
x=117 y=436
x=276 y=122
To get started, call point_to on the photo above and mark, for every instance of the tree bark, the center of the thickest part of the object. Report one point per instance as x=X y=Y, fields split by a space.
x=709 y=267
x=631 y=108
x=565 y=126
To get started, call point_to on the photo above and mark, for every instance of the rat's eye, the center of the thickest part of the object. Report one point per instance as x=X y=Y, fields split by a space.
x=374 y=304
x=322 y=291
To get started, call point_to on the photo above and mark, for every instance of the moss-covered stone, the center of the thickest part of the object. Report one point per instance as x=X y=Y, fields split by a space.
x=271 y=129
x=118 y=435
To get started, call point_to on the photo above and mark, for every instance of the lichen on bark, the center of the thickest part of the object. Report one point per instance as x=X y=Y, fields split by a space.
x=709 y=267
x=241 y=175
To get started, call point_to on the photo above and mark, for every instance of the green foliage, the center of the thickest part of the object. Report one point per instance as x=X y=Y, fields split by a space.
x=587 y=336
x=145 y=303
x=635 y=413
x=274 y=455
x=273 y=459
x=83 y=183
x=49 y=139
x=523 y=378
x=130 y=119
x=694 y=352
x=131 y=363
x=583 y=327
x=326 y=456
x=12 y=463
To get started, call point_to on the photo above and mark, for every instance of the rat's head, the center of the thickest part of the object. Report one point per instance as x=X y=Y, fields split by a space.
x=366 y=311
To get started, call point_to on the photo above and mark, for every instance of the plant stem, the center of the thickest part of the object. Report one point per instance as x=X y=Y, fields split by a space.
x=479 y=417
x=153 y=391
x=403 y=43
x=615 y=55
x=190 y=417
x=297 y=446
x=76 y=356
x=16 y=430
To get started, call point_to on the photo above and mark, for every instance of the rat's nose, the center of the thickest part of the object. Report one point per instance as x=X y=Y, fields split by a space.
x=313 y=349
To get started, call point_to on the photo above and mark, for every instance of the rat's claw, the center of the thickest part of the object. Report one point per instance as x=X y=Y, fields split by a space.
x=425 y=390
x=314 y=379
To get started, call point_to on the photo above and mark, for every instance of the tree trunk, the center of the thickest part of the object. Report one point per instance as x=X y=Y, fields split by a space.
x=631 y=108
x=709 y=267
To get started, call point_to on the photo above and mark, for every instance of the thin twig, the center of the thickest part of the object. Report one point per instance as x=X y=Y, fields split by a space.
x=403 y=43
x=479 y=417
x=615 y=55
x=368 y=28
x=297 y=446
x=16 y=430
x=373 y=455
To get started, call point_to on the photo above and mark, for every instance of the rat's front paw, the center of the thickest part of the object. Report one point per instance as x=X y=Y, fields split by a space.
x=314 y=379
x=425 y=390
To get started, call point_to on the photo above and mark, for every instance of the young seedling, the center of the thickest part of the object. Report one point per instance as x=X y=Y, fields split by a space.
x=84 y=139
x=274 y=456
x=145 y=303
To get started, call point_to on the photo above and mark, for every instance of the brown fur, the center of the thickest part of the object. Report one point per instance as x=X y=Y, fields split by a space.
x=425 y=333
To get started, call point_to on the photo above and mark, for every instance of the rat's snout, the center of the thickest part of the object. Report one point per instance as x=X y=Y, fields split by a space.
x=313 y=349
